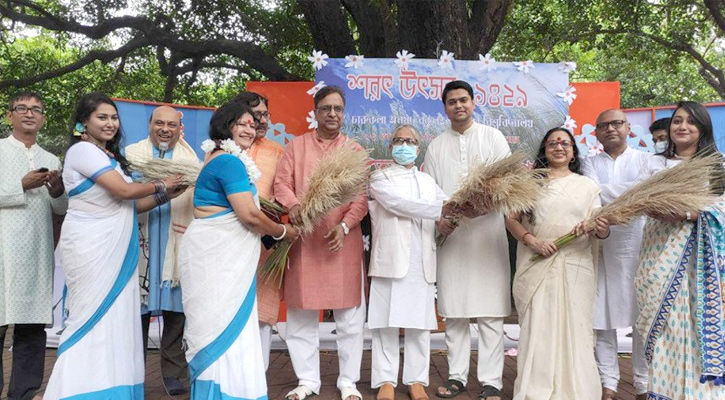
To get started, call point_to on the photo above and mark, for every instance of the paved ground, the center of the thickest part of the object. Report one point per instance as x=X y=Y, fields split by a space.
x=281 y=379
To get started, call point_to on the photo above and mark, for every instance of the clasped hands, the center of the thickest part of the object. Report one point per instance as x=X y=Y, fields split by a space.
x=452 y=213
x=547 y=247
x=43 y=177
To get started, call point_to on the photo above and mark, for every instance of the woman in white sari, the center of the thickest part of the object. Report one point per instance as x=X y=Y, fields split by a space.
x=218 y=259
x=555 y=295
x=680 y=314
x=100 y=355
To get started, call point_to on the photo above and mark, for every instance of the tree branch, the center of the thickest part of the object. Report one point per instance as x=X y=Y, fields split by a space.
x=103 y=56
x=715 y=7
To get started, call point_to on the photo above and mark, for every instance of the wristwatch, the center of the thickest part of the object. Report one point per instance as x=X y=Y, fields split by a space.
x=345 y=228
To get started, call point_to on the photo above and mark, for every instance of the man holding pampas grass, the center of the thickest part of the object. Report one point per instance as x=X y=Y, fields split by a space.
x=325 y=267
x=615 y=170
x=161 y=232
x=473 y=263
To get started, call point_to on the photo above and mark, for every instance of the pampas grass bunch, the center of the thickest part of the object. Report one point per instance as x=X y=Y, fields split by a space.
x=161 y=168
x=505 y=186
x=338 y=178
x=674 y=191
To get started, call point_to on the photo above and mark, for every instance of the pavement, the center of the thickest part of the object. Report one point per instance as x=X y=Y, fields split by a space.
x=281 y=378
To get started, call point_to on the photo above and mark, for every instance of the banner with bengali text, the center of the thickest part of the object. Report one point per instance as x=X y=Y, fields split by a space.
x=522 y=99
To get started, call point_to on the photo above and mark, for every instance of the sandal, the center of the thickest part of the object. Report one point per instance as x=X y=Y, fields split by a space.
x=453 y=387
x=348 y=392
x=302 y=392
x=490 y=391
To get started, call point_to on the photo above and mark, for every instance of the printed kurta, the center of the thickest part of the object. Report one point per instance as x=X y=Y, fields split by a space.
x=26 y=236
x=555 y=299
x=473 y=264
x=318 y=278
x=266 y=154
x=615 y=302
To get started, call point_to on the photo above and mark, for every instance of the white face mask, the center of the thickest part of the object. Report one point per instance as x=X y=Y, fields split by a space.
x=660 y=147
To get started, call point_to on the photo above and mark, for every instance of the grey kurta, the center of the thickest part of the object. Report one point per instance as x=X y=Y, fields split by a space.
x=26 y=236
x=473 y=263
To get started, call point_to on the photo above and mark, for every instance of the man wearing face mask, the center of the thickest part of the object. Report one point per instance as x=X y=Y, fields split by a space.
x=615 y=170
x=661 y=139
x=161 y=231
x=405 y=206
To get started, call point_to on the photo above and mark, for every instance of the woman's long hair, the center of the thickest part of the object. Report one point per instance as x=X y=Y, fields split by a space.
x=86 y=106
x=706 y=142
x=541 y=160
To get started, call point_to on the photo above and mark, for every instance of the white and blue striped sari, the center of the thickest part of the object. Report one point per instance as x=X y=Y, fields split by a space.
x=100 y=352
x=218 y=261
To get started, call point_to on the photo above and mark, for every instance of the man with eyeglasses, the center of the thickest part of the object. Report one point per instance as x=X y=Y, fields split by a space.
x=325 y=268
x=615 y=170
x=161 y=232
x=266 y=153
x=473 y=264
x=31 y=189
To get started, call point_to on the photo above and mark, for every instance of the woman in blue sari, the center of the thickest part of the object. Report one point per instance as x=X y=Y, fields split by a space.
x=678 y=282
x=100 y=351
x=218 y=259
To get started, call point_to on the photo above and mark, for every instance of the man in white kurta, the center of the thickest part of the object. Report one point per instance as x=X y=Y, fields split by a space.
x=30 y=192
x=615 y=170
x=473 y=263
x=404 y=207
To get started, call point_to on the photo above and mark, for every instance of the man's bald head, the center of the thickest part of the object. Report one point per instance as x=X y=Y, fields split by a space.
x=612 y=130
x=165 y=126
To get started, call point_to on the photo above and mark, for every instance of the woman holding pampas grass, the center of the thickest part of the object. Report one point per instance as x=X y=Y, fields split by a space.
x=555 y=295
x=678 y=280
x=218 y=259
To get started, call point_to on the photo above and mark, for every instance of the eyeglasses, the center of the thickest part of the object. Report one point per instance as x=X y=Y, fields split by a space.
x=24 y=109
x=259 y=115
x=408 y=141
x=616 y=124
x=565 y=144
x=326 y=110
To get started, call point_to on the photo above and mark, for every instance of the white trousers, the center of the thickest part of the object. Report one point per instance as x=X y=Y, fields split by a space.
x=606 y=352
x=265 y=333
x=303 y=342
x=490 y=350
x=386 y=356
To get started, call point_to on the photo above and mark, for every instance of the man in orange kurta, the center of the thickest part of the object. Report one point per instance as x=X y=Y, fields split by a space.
x=266 y=154
x=326 y=266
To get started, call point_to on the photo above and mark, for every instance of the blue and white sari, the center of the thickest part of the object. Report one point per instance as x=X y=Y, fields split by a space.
x=100 y=353
x=218 y=259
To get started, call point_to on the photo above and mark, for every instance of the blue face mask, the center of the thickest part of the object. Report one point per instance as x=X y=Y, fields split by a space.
x=404 y=154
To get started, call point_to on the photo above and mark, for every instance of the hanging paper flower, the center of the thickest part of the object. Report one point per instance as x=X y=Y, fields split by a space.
x=524 y=66
x=567 y=66
x=318 y=59
x=488 y=63
x=311 y=120
x=316 y=88
x=403 y=59
x=569 y=124
x=528 y=164
x=568 y=95
x=208 y=145
x=366 y=242
x=446 y=60
x=354 y=61
x=595 y=149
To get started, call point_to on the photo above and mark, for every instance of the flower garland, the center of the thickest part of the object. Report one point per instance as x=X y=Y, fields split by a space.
x=232 y=148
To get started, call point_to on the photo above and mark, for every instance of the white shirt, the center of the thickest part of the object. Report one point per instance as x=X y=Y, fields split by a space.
x=615 y=305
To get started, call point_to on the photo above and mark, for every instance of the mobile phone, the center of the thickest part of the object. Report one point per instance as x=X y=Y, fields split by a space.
x=43 y=169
